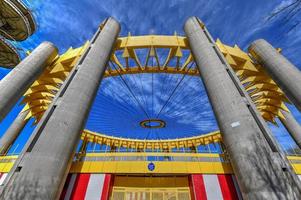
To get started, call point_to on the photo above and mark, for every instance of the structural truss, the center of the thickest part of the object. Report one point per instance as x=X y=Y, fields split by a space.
x=171 y=55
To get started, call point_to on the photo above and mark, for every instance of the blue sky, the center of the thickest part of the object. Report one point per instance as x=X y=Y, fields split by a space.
x=71 y=22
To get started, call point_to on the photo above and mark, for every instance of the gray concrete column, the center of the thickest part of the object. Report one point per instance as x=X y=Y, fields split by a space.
x=259 y=174
x=284 y=73
x=41 y=171
x=15 y=84
x=13 y=132
x=292 y=126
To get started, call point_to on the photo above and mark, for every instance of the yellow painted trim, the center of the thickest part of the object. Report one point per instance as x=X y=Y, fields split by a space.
x=151 y=144
x=6 y=163
x=151 y=182
x=108 y=165
x=140 y=166
x=161 y=167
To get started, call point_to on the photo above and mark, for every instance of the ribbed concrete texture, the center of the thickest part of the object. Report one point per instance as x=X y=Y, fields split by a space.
x=13 y=132
x=45 y=165
x=259 y=175
x=284 y=73
x=15 y=84
x=292 y=126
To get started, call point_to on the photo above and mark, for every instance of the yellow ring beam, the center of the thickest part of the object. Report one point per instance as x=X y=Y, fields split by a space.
x=118 y=142
x=17 y=22
x=267 y=96
x=177 y=59
x=9 y=56
x=157 y=123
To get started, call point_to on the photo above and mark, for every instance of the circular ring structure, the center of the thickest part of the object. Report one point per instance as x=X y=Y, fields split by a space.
x=185 y=142
x=267 y=99
x=152 y=123
x=9 y=56
x=16 y=21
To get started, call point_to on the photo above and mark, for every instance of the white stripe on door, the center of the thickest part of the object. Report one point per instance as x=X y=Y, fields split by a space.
x=95 y=186
x=3 y=178
x=213 y=190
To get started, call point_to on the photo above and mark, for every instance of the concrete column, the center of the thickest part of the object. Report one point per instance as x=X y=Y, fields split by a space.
x=41 y=171
x=13 y=132
x=292 y=126
x=15 y=84
x=259 y=174
x=284 y=73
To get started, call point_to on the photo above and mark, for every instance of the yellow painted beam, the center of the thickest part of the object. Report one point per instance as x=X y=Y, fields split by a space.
x=151 y=144
x=130 y=163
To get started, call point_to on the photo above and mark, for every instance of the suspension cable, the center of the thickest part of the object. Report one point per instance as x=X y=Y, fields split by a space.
x=174 y=90
x=139 y=104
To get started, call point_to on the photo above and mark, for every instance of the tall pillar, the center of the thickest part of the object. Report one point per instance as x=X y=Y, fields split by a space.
x=13 y=132
x=284 y=73
x=41 y=170
x=292 y=126
x=254 y=163
x=15 y=84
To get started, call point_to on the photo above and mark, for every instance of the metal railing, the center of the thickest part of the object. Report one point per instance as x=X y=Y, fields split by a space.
x=150 y=156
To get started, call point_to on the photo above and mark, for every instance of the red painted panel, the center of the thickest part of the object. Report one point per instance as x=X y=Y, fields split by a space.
x=107 y=185
x=223 y=183
x=198 y=187
x=191 y=187
x=80 y=187
x=227 y=187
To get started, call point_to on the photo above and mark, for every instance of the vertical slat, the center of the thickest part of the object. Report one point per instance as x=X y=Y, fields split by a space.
x=227 y=187
x=95 y=187
x=108 y=181
x=237 y=187
x=70 y=187
x=198 y=187
x=212 y=188
x=80 y=187
x=3 y=176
